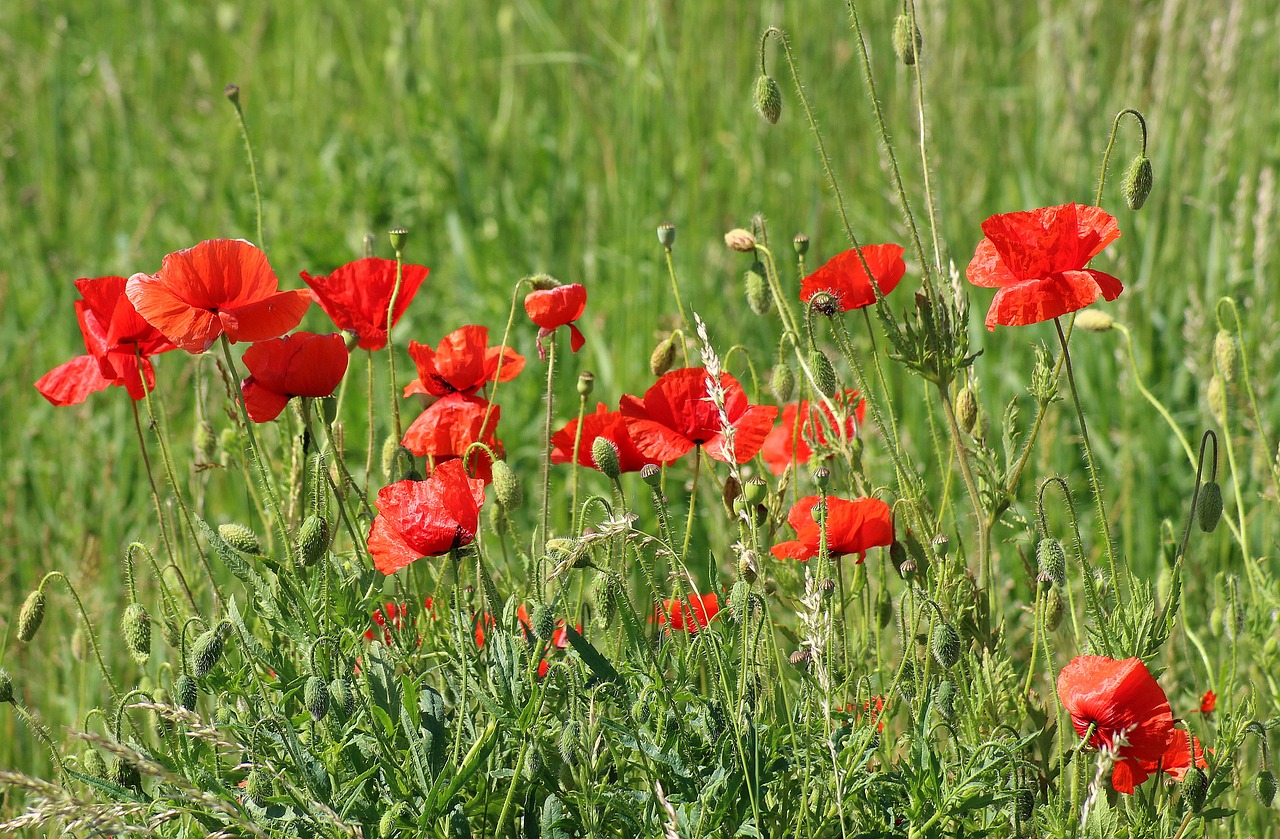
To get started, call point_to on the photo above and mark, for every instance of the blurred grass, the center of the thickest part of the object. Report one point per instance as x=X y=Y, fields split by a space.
x=533 y=136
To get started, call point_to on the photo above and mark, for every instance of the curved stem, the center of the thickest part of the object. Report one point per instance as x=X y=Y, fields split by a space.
x=975 y=499
x=693 y=498
x=577 y=468
x=1111 y=141
x=88 y=624
x=1267 y=449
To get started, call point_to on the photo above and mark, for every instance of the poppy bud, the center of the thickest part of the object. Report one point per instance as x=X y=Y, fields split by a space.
x=945 y=645
x=398 y=235
x=313 y=539
x=1053 y=610
x=966 y=409
x=543 y=621
x=543 y=282
x=651 y=474
x=240 y=538
x=800 y=244
x=6 y=687
x=755 y=490
x=232 y=92
x=782 y=381
x=31 y=616
x=1226 y=355
x=1094 y=320
x=663 y=356
x=186 y=692
x=824 y=375
x=343 y=697
x=1195 y=786
x=125 y=774
x=259 y=786
x=1265 y=787
x=1218 y=399
x=1051 y=559
x=316 y=697
x=1136 y=185
x=1024 y=804
x=506 y=486
x=800 y=658
x=884 y=608
x=768 y=99
x=93 y=765
x=748 y=568
x=739 y=595
x=944 y=699
x=740 y=240
x=206 y=651
x=1209 y=506
x=757 y=292
x=387 y=824
x=586 y=382
x=907 y=687
x=667 y=234
x=568 y=745
x=224 y=712
x=136 y=627
x=458 y=826
x=604 y=453
x=906 y=39
x=390 y=450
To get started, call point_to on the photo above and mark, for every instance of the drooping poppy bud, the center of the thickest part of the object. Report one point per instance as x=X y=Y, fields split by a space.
x=240 y=538
x=259 y=786
x=757 y=290
x=1051 y=559
x=343 y=697
x=966 y=410
x=767 y=98
x=1226 y=355
x=1195 y=787
x=93 y=765
x=506 y=486
x=1094 y=320
x=944 y=699
x=945 y=645
x=313 y=539
x=186 y=691
x=1265 y=787
x=604 y=453
x=663 y=356
x=824 y=375
x=31 y=616
x=782 y=381
x=906 y=39
x=315 y=695
x=206 y=651
x=1209 y=506
x=1136 y=185
x=136 y=627
x=740 y=240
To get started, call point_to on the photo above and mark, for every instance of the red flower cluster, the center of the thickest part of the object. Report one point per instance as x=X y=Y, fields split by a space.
x=220 y=286
x=425 y=518
x=392 y=617
x=301 y=364
x=357 y=296
x=689 y=616
x=552 y=308
x=463 y=363
x=446 y=429
x=1125 y=710
x=118 y=340
x=1037 y=258
x=805 y=427
x=853 y=527
x=844 y=278
x=603 y=423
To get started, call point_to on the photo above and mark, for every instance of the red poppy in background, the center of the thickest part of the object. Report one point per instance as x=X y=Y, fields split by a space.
x=690 y=616
x=1126 y=775
x=603 y=423
x=391 y=616
x=115 y=335
x=1122 y=703
x=484 y=619
x=844 y=278
x=301 y=364
x=802 y=428
x=462 y=363
x=1036 y=258
x=358 y=295
x=219 y=286
x=676 y=414
x=853 y=527
x=450 y=425
x=1208 y=702
x=425 y=518
x=553 y=308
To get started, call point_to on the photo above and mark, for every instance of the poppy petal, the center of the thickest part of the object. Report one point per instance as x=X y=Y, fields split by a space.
x=266 y=318
x=190 y=328
x=750 y=431
x=72 y=382
x=576 y=339
x=388 y=548
x=262 y=404
x=1095 y=229
x=986 y=268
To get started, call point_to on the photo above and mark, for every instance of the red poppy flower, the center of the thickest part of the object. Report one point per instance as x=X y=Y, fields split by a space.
x=691 y=615
x=1120 y=700
x=1208 y=702
x=425 y=518
x=301 y=364
x=603 y=423
x=802 y=428
x=357 y=296
x=844 y=278
x=462 y=363
x=1127 y=775
x=114 y=335
x=853 y=527
x=484 y=619
x=676 y=414
x=223 y=285
x=449 y=426
x=555 y=307
x=1037 y=258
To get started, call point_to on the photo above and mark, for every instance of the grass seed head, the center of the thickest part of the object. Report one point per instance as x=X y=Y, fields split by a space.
x=31 y=616
x=767 y=98
x=136 y=626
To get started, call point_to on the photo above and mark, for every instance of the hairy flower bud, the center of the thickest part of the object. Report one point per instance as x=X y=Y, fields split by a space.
x=907 y=40
x=543 y=282
x=125 y=774
x=315 y=695
x=31 y=616
x=343 y=698
x=240 y=538
x=1053 y=610
x=6 y=687
x=945 y=645
x=93 y=765
x=966 y=409
x=1094 y=320
x=186 y=692
x=739 y=598
x=387 y=824
x=667 y=234
x=767 y=98
x=945 y=699
x=1051 y=559
x=1265 y=787
x=604 y=453
x=1218 y=398
x=569 y=741
x=824 y=375
x=1226 y=355
x=506 y=486
x=1195 y=786
x=740 y=240
x=313 y=539
x=259 y=785
x=206 y=651
x=1136 y=185
x=748 y=566
x=390 y=451
x=542 y=619
x=663 y=356
x=1024 y=805
x=884 y=608
x=782 y=381
x=136 y=627
x=757 y=290
x=1209 y=506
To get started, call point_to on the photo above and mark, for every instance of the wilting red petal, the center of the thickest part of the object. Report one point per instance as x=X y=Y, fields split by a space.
x=1208 y=702
x=554 y=307
x=844 y=277
x=1121 y=700
x=357 y=295
x=72 y=382
x=802 y=425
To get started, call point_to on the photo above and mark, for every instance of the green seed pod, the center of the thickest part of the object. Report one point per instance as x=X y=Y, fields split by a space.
x=240 y=538
x=755 y=490
x=767 y=99
x=1136 y=185
x=1094 y=320
x=125 y=774
x=1024 y=803
x=313 y=539
x=1051 y=558
x=586 y=383
x=6 y=687
x=390 y=450
x=206 y=651
x=1195 y=786
x=1226 y=355
x=398 y=236
x=458 y=826
x=542 y=619
x=93 y=764
x=1209 y=506
x=824 y=375
x=822 y=479
x=316 y=697
x=663 y=356
x=667 y=234
x=1265 y=787
x=1053 y=610
x=342 y=697
x=136 y=627
x=651 y=474
x=966 y=410
x=1217 y=395
x=186 y=691
x=259 y=785
x=31 y=616
x=506 y=486
x=945 y=699
x=945 y=645
x=800 y=244
x=907 y=40
x=782 y=381
x=757 y=290
x=604 y=453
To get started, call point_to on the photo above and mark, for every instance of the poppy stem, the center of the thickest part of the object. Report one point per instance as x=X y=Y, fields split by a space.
x=675 y=289
x=391 y=352
x=929 y=201
x=693 y=497
x=1090 y=463
x=368 y=456
x=577 y=467
x=975 y=499
x=1111 y=142
x=253 y=165
x=155 y=492
x=541 y=545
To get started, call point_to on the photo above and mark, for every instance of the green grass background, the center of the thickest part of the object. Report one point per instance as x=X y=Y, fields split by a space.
x=533 y=136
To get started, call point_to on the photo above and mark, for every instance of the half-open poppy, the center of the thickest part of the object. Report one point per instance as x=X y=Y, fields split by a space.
x=603 y=423
x=301 y=364
x=425 y=518
x=844 y=278
x=552 y=308
x=805 y=426
x=690 y=616
x=219 y=286
x=462 y=363
x=1037 y=259
x=357 y=296
x=853 y=527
